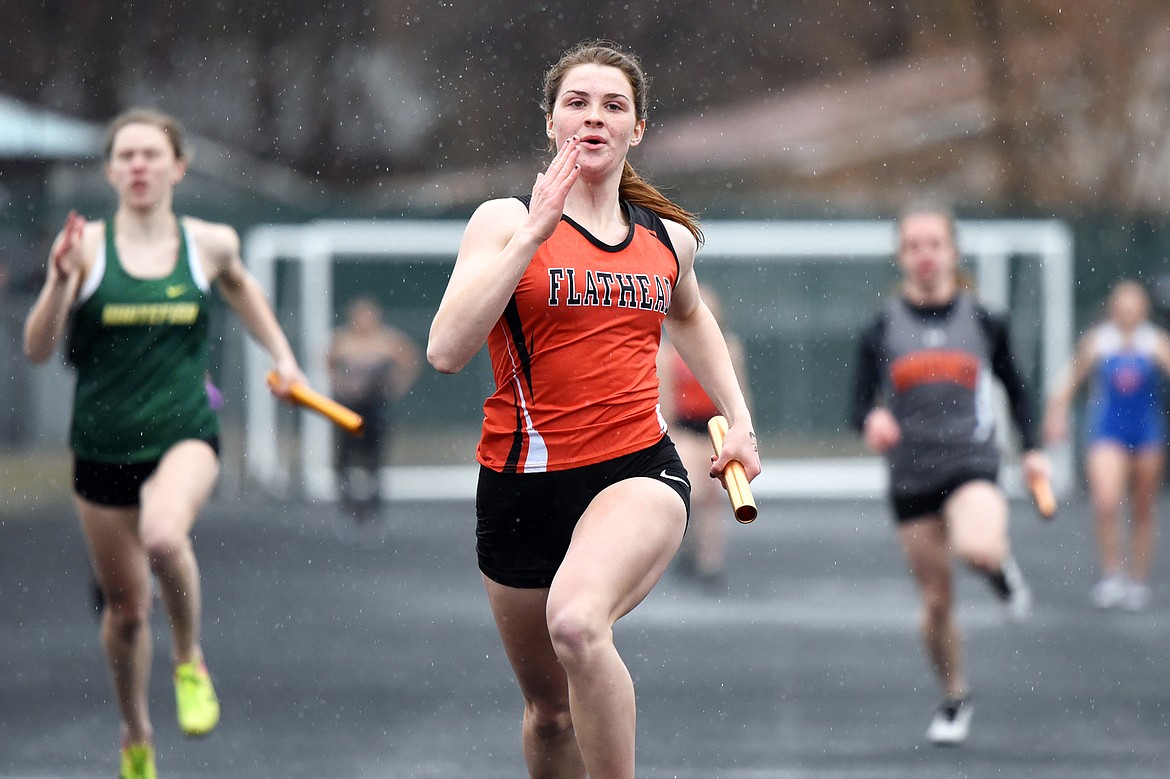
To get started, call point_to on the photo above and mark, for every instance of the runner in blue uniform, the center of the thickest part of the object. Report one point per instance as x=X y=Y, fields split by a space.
x=1123 y=359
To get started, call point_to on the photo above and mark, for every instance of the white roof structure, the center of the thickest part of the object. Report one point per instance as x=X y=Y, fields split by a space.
x=28 y=132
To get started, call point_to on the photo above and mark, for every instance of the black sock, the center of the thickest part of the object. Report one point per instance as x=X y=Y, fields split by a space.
x=999 y=583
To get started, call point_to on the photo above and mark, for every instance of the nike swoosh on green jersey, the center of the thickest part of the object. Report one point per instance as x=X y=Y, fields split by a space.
x=174 y=290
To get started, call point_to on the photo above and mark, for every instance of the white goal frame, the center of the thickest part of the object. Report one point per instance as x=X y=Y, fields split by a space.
x=989 y=244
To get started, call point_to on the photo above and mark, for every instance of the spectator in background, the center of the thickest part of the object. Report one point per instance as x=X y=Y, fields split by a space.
x=371 y=367
x=687 y=410
x=1123 y=360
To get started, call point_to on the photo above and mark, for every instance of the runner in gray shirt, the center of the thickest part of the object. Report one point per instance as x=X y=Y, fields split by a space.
x=922 y=398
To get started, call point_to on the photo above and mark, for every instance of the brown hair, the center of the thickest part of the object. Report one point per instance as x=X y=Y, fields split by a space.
x=165 y=122
x=936 y=209
x=963 y=279
x=632 y=186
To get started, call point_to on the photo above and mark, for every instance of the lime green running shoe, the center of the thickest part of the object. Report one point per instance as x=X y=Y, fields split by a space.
x=138 y=762
x=195 y=700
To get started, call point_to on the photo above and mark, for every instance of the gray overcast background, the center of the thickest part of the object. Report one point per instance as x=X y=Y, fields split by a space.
x=1036 y=106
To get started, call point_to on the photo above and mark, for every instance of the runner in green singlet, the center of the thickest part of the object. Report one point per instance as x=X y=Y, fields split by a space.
x=129 y=296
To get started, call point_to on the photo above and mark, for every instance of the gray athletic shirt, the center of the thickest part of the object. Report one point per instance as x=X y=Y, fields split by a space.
x=933 y=366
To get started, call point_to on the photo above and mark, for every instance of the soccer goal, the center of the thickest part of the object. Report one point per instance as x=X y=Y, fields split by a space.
x=796 y=293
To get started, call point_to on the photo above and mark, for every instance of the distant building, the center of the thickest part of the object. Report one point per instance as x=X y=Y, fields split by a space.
x=33 y=141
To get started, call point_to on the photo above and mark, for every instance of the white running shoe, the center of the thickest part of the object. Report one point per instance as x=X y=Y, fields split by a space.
x=1111 y=591
x=951 y=723
x=1137 y=597
x=1018 y=599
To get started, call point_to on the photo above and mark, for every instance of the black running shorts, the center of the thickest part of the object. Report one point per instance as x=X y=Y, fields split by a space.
x=924 y=504
x=116 y=484
x=525 y=520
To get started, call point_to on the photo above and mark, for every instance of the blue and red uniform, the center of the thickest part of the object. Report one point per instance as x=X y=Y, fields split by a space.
x=1125 y=404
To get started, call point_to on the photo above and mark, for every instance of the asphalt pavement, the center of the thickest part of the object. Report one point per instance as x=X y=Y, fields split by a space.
x=347 y=652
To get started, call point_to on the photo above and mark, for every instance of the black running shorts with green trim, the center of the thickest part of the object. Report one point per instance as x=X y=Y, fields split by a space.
x=524 y=521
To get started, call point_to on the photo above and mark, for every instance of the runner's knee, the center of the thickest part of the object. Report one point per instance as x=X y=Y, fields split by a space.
x=548 y=720
x=128 y=613
x=162 y=539
x=575 y=635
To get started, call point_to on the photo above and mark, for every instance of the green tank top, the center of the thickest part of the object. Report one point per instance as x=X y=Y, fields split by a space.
x=140 y=349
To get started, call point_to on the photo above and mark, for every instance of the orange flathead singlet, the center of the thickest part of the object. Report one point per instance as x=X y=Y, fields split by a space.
x=574 y=352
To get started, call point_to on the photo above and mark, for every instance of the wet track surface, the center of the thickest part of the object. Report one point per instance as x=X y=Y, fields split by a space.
x=342 y=653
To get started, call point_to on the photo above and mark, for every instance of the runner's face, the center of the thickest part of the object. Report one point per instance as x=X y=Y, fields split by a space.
x=596 y=103
x=927 y=253
x=1128 y=307
x=143 y=168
